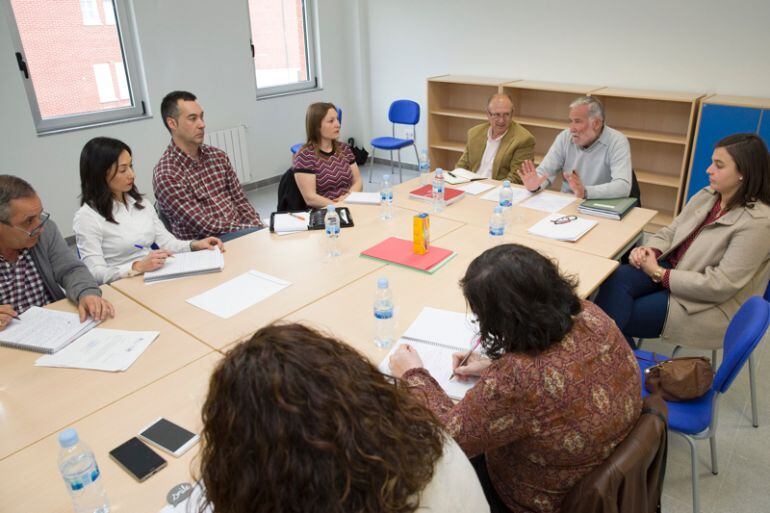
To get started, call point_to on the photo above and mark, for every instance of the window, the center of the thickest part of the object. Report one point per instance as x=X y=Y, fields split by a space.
x=79 y=62
x=283 y=46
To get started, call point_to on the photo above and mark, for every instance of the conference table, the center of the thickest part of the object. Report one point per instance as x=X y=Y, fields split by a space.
x=171 y=377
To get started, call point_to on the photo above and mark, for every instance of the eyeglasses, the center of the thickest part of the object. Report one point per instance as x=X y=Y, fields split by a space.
x=564 y=219
x=44 y=216
x=500 y=115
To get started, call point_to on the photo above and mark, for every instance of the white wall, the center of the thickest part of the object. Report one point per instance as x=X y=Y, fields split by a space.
x=198 y=45
x=686 y=45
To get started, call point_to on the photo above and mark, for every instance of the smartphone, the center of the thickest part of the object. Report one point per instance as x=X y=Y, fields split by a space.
x=169 y=437
x=137 y=459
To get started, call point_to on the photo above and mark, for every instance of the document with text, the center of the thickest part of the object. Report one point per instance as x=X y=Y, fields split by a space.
x=101 y=349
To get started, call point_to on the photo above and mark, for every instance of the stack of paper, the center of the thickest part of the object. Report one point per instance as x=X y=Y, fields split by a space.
x=567 y=231
x=238 y=294
x=43 y=330
x=188 y=264
x=290 y=222
x=363 y=198
x=436 y=334
x=101 y=349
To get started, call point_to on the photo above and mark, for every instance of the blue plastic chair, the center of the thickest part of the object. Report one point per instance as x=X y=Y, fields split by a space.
x=401 y=112
x=697 y=419
x=295 y=148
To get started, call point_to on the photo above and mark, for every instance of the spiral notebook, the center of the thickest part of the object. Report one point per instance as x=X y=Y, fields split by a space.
x=43 y=330
x=188 y=264
x=436 y=334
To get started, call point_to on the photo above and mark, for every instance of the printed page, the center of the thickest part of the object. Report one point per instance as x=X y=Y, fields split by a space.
x=475 y=188
x=548 y=202
x=101 y=349
x=570 y=232
x=45 y=330
x=238 y=294
x=189 y=263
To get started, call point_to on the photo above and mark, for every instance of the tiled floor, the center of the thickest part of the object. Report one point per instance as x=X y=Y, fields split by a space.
x=743 y=482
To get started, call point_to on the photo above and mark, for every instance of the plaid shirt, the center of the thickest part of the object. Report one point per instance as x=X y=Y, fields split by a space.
x=201 y=197
x=21 y=285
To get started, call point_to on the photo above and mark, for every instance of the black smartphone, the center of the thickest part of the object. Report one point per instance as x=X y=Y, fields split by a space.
x=166 y=435
x=137 y=459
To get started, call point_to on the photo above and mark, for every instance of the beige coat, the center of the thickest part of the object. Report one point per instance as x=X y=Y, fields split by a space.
x=728 y=262
x=516 y=146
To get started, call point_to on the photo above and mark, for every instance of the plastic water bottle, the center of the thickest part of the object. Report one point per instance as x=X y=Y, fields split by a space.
x=386 y=198
x=384 y=320
x=497 y=225
x=424 y=168
x=332 y=226
x=81 y=474
x=506 y=201
x=438 y=191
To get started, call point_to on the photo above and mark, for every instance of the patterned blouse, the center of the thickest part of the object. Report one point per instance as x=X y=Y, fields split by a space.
x=545 y=421
x=333 y=176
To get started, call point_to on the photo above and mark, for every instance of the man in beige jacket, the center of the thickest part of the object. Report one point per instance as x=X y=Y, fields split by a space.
x=497 y=148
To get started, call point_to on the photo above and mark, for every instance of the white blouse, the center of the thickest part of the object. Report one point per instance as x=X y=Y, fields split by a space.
x=109 y=249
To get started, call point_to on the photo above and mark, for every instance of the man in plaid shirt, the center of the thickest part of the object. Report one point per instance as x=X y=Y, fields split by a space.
x=195 y=185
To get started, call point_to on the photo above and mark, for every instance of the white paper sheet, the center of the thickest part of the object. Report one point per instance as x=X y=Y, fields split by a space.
x=475 y=187
x=548 y=202
x=101 y=349
x=187 y=264
x=569 y=232
x=238 y=294
x=519 y=195
x=363 y=198
x=290 y=223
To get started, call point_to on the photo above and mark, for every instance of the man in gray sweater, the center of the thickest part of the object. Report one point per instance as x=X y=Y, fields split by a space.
x=595 y=159
x=35 y=262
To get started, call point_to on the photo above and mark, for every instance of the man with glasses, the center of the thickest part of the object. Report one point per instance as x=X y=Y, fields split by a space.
x=595 y=160
x=35 y=262
x=497 y=148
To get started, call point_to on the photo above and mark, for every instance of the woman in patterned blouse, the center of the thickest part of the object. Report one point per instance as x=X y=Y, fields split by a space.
x=324 y=168
x=558 y=388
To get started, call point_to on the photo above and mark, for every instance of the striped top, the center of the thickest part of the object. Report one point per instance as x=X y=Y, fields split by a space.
x=333 y=177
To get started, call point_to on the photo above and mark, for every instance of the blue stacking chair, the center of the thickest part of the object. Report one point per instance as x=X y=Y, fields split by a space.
x=401 y=112
x=697 y=419
x=295 y=148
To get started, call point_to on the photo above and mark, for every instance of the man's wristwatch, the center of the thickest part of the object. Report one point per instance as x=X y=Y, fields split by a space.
x=657 y=276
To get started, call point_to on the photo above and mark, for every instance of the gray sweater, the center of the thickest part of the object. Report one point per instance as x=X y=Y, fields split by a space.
x=60 y=268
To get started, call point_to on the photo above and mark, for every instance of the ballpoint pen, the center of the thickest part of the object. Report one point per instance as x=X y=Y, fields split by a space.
x=464 y=360
x=297 y=216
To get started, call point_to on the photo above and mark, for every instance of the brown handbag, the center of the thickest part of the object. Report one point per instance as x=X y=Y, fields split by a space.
x=680 y=379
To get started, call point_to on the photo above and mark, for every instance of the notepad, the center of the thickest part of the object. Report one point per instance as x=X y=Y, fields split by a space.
x=291 y=222
x=101 y=349
x=436 y=334
x=548 y=202
x=568 y=232
x=425 y=193
x=238 y=294
x=188 y=264
x=363 y=198
x=44 y=331
x=401 y=252
x=460 y=175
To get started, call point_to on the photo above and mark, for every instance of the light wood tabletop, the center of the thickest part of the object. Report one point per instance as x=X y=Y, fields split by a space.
x=31 y=481
x=414 y=290
x=608 y=238
x=298 y=258
x=38 y=401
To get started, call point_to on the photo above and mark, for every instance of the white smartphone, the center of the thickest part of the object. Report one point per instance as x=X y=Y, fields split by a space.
x=169 y=437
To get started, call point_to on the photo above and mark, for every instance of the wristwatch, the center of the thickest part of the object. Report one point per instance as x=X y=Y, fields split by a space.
x=657 y=276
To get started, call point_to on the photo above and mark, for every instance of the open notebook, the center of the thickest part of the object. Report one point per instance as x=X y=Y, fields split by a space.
x=188 y=264
x=436 y=334
x=44 y=331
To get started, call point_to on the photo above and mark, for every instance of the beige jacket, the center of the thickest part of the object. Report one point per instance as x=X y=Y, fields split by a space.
x=728 y=262
x=516 y=146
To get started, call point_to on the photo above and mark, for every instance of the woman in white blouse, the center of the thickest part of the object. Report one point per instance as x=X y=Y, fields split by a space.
x=117 y=234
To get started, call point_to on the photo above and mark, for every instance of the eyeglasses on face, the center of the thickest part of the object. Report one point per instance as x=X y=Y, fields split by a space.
x=564 y=219
x=44 y=216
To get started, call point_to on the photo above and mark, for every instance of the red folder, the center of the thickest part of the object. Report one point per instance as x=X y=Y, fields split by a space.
x=425 y=193
x=400 y=251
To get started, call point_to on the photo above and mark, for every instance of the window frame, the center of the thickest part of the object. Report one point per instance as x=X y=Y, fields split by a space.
x=131 y=53
x=312 y=55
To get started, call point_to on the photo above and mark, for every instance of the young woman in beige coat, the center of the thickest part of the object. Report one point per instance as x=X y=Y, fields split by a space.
x=692 y=276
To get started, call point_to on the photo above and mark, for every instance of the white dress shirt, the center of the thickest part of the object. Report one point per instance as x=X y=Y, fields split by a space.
x=109 y=249
x=490 y=151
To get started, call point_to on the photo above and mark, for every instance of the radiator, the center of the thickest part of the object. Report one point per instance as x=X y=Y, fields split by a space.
x=233 y=142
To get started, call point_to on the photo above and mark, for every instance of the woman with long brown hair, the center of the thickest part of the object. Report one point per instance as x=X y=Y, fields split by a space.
x=296 y=421
x=325 y=169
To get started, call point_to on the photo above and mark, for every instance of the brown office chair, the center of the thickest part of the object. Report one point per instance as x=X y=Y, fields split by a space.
x=631 y=479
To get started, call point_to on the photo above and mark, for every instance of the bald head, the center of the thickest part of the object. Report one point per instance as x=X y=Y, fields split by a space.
x=499 y=113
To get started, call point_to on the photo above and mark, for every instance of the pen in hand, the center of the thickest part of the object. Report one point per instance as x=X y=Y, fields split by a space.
x=465 y=360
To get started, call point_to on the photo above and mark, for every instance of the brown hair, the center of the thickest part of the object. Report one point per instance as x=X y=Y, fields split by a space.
x=297 y=421
x=316 y=113
x=749 y=153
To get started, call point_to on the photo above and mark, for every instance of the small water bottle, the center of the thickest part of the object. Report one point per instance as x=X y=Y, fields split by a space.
x=81 y=474
x=424 y=168
x=332 y=227
x=438 y=191
x=386 y=198
x=506 y=201
x=384 y=320
x=497 y=225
